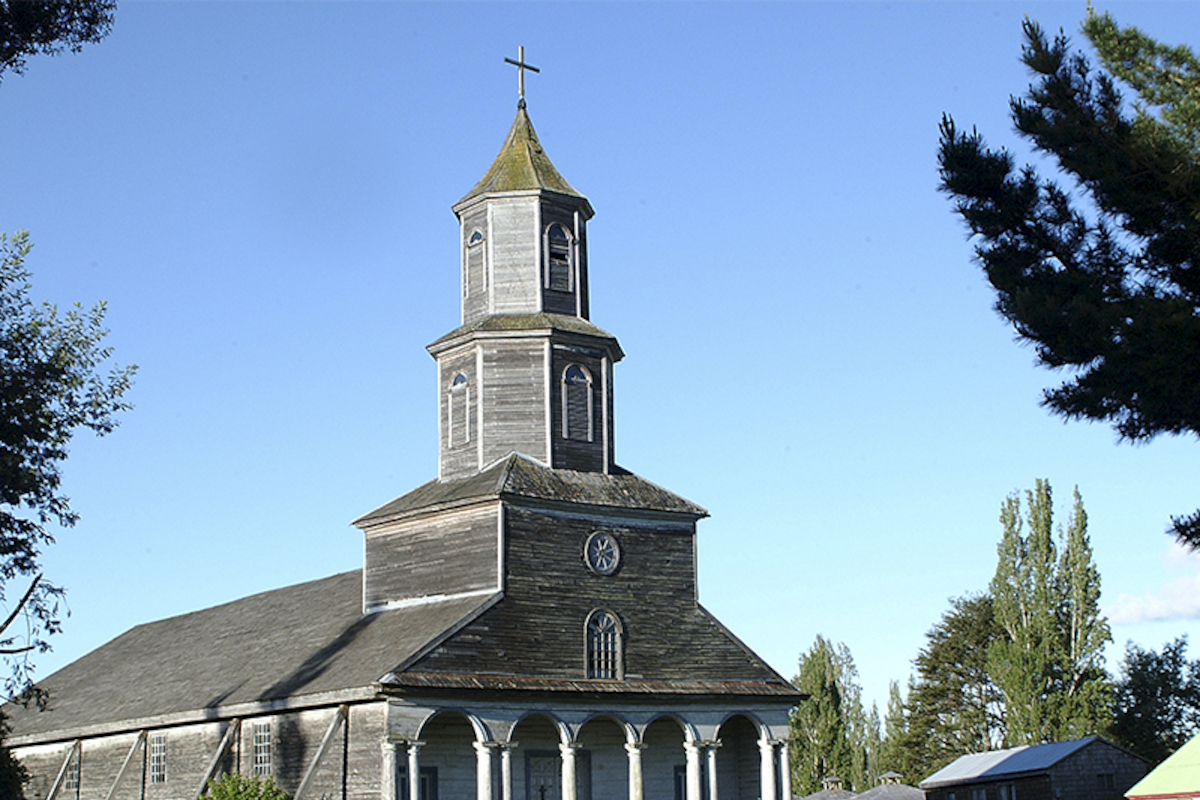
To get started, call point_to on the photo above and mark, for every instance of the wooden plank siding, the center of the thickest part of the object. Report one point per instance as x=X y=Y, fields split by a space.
x=587 y=456
x=456 y=455
x=349 y=770
x=515 y=285
x=455 y=552
x=513 y=385
x=538 y=628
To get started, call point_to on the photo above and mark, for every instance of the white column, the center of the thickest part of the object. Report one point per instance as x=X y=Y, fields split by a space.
x=710 y=750
x=506 y=749
x=387 y=766
x=568 y=770
x=414 y=770
x=766 y=752
x=693 y=770
x=636 y=790
x=483 y=769
x=785 y=767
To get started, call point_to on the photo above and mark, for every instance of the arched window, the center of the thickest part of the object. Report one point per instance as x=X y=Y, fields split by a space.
x=558 y=258
x=458 y=411
x=604 y=646
x=474 y=276
x=577 y=404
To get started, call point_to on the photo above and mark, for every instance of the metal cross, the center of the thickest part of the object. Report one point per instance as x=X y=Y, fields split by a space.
x=521 y=67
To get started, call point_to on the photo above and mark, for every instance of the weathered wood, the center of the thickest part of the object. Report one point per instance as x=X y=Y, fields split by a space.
x=339 y=718
x=62 y=771
x=231 y=733
x=139 y=741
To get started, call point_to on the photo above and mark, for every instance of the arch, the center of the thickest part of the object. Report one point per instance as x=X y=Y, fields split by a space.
x=604 y=637
x=474 y=276
x=478 y=726
x=559 y=247
x=577 y=406
x=738 y=760
x=761 y=729
x=630 y=732
x=458 y=411
x=564 y=731
x=690 y=733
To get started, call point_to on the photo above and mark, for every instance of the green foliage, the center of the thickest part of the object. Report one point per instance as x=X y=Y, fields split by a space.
x=1101 y=277
x=1049 y=661
x=12 y=772
x=830 y=732
x=234 y=786
x=954 y=707
x=1157 y=700
x=47 y=26
x=52 y=383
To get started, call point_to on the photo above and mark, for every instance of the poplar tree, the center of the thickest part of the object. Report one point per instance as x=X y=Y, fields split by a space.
x=1049 y=661
x=829 y=730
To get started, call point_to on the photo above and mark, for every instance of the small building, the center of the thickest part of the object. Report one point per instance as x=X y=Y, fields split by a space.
x=891 y=786
x=1177 y=777
x=831 y=789
x=1081 y=769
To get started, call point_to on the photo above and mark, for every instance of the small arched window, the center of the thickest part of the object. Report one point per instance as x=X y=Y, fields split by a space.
x=458 y=411
x=577 y=404
x=474 y=276
x=604 y=655
x=558 y=258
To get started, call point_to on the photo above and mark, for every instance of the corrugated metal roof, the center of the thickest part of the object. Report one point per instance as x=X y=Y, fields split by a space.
x=996 y=764
x=1178 y=776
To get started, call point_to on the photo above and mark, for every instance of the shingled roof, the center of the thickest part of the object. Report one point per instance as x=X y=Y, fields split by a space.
x=521 y=165
x=299 y=641
x=525 y=324
x=517 y=476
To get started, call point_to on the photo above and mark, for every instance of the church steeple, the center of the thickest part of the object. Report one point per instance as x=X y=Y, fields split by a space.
x=526 y=371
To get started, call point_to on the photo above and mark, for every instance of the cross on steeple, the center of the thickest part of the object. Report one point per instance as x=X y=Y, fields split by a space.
x=521 y=67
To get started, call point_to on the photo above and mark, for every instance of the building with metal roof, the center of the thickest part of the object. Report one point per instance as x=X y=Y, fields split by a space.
x=1176 y=778
x=1081 y=769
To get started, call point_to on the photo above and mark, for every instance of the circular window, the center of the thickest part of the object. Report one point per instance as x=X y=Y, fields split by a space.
x=602 y=553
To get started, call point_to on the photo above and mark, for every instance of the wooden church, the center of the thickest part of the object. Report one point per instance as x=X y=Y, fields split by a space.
x=525 y=626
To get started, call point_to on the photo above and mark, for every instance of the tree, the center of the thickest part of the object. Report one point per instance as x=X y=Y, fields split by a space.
x=829 y=730
x=47 y=26
x=52 y=383
x=1049 y=661
x=1101 y=277
x=1157 y=700
x=13 y=776
x=954 y=707
x=234 y=786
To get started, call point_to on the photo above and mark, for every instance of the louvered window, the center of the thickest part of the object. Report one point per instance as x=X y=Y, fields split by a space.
x=558 y=258
x=577 y=404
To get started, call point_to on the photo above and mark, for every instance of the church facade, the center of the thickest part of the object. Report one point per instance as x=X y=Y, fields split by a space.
x=525 y=626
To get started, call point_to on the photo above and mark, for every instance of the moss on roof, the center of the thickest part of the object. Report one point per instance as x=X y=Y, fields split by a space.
x=542 y=321
x=521 y=165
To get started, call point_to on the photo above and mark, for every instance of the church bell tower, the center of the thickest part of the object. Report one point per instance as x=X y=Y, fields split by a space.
x=526 y=372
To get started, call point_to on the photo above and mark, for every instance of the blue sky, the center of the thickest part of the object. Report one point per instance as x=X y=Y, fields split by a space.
x=261 y=192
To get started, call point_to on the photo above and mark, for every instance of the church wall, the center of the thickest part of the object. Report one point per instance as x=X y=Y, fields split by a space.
x=349 y=764
x=451 y=553
x=664 y=754
x=604 y=742
x=587 y=456
x=560 y=302
x=475 y=264
x=458 y=412
x=515 y=245
x=513 y=388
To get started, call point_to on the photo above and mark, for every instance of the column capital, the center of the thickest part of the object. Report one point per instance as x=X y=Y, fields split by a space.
x=634 y=747
x=711 y=744
x=692 y=746
x=412 y=744
x=482 y=747
x=508 y=746
x=568 y=747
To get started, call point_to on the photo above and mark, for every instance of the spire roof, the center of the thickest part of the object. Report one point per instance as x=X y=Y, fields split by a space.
x=522 y=164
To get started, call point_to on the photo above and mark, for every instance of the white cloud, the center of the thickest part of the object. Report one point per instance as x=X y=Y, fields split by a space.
x=1178 y=598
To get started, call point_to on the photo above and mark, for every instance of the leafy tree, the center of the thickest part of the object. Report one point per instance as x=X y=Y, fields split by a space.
x=1049 y=660
x=1101 y=276
x=954 y=707
x=1157 y=700
x=52 y=383
x=47 y=26
x=829 y=730
x=234 y=786
x=12 y=772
